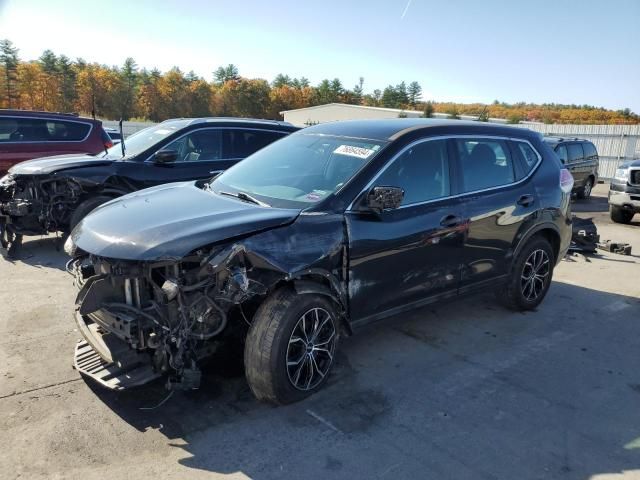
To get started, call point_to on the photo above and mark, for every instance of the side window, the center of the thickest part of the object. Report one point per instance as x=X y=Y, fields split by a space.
x=485 y=163
x=242 y=143
x=200 y=145
x=25 y=130
x=421 y=171
x=528 y=154
x=575 y=152
x=590 y=152
x=60 y=131
x=561 y=151
x=8 y=129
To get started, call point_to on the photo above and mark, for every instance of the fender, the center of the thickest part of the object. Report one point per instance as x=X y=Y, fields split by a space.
x=532 y=231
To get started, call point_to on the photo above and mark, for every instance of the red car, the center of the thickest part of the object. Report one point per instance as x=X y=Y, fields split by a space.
x=26 y=134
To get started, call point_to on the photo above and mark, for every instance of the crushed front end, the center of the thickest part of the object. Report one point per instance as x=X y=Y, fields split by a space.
x=35 y=204
x=143 y=320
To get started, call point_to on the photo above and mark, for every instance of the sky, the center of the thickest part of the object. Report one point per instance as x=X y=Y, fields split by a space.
x=562 y=51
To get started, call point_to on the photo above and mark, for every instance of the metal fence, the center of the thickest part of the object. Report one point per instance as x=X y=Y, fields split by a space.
x=615 y=143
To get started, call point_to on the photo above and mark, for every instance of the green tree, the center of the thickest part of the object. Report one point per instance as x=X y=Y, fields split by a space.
x=281 y=80
x=9 y=61
x=453 y=113
x=225 y=74
x=414 y=92
x=67 y=83
x=428 y=110
x=129 y=79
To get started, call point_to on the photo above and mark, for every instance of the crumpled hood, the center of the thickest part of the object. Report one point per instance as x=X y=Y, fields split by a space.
x=169 y=221
x=48 y=165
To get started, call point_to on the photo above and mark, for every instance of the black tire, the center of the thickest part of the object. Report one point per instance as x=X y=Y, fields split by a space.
x=585 y=191
x=271 y=346
x=620 y=215
x=85 y=208
x=519 y=295
x=10 y=241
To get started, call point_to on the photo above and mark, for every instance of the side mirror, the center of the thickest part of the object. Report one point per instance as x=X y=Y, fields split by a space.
x=380 y=199
x=165 y=156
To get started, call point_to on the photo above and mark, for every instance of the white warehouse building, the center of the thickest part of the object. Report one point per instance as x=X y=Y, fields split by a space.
x=332 y=112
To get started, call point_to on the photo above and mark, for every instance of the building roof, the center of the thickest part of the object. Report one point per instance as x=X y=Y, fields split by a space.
x=350 y=105
x=393 y=128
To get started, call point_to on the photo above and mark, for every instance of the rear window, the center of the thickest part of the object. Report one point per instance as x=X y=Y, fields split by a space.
x=575 y=152
x=589 y=150
x=20 y=130
x=485 y=163
x=529 y=155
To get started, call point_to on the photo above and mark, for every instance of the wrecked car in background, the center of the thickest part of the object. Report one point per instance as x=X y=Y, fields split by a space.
x=334 y=227
x=53 y=194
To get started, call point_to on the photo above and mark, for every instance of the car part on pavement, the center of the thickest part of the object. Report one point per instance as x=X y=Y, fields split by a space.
x=584 y=237
x=615 y=247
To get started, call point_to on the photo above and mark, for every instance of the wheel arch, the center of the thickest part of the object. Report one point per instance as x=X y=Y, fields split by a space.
x=549 y=231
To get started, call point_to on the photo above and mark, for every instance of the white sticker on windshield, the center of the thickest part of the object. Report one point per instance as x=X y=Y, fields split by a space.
x=354 y=151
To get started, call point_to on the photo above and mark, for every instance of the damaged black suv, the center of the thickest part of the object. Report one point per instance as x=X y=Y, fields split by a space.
x=53 y=194
x=334 y=227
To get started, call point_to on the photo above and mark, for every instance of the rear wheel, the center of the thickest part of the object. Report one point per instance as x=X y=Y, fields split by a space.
x=531 y=275
x=85 y=208
x=585 y=192
x=620 y=215
x=290 y=347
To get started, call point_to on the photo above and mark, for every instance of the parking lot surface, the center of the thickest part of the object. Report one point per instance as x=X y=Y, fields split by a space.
x=465 y=390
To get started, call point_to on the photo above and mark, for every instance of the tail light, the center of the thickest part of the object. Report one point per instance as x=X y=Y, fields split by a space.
x=566 y=181
x=106 y=140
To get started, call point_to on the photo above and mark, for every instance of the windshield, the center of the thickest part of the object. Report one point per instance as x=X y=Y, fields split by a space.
x=298 y=170
x=147 y=138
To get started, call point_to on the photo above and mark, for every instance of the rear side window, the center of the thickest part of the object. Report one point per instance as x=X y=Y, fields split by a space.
x=485 y=163
x=422 y=172
x=40 y=130
x=590 y=152
x=242 y=143
x=562 y=153
x=198 y=146
x=528 y=154
x=575 y=152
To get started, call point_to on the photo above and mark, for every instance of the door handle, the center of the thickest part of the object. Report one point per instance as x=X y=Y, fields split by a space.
x=526 y=200
x=449 y=221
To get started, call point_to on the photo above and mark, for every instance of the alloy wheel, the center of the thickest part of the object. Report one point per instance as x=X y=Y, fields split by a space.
x=311 y=348
x=535 y=274
x=587 y=189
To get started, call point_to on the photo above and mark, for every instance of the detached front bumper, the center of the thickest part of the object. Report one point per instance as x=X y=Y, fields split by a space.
x=108 y=360
x=626 y=200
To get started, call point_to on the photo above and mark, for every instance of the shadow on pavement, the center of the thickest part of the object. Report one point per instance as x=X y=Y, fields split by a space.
x=40 y=252
x=464 y=390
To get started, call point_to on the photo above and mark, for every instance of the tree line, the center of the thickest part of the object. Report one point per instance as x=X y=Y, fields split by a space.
x=57 y=83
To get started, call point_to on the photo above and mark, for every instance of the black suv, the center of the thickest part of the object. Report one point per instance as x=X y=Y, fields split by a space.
x=580 y=157
x=624 y=192
x=334 y=227
x=55 y=193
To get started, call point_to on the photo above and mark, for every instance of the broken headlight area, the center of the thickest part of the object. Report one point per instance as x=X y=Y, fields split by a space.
x=168 y=314
x=38 y=205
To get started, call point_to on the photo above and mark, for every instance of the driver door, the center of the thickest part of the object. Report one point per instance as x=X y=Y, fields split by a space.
x=200 y=155
x=408 y=256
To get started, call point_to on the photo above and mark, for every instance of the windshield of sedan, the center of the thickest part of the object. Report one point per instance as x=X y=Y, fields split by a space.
x=299 y=170
x=145 y=139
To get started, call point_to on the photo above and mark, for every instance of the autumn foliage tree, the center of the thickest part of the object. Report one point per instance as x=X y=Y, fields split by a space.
x=57 y=83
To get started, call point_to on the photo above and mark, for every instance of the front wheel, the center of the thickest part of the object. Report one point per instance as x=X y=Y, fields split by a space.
x=10 y=240
x=291 y=346
x=620 y=215
x=530 y=276
x=85 y=208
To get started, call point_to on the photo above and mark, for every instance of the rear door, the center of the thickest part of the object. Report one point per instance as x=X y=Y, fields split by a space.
x=577 y=166
x=498 y=197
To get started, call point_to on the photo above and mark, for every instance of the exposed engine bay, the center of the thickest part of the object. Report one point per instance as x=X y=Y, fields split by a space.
x=173 y=313
x=38 y=204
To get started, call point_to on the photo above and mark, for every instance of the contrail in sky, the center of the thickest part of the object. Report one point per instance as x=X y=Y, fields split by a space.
x=405 y=9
